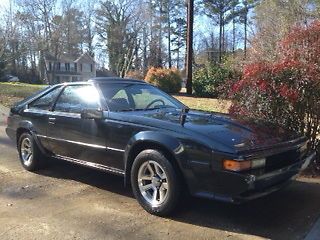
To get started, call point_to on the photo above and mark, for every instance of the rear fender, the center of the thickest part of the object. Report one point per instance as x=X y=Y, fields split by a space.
x=28 y=126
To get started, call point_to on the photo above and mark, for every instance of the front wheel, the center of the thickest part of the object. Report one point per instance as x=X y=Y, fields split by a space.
x=155 y=183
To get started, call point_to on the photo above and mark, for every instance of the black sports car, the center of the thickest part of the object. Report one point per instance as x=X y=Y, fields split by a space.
x=130 y=128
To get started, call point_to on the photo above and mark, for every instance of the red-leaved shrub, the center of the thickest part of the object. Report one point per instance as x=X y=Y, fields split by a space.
x=287 y=91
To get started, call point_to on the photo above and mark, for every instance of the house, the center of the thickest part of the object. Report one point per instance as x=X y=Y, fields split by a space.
x=67 y=68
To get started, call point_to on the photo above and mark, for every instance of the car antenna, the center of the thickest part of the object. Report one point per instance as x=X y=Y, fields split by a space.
x=183 y=115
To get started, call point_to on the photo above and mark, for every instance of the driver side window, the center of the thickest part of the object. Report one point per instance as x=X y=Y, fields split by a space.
x=74 y=99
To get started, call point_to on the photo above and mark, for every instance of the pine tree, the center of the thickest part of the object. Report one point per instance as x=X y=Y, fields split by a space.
x=217 y=10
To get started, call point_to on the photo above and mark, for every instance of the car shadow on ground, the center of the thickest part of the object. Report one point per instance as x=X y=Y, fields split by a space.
x=65 y=170
x=287 y=214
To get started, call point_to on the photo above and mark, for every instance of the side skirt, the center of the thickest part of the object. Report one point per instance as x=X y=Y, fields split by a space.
x=92 y=165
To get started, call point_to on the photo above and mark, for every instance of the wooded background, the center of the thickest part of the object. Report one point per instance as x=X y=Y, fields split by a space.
x=134 y=35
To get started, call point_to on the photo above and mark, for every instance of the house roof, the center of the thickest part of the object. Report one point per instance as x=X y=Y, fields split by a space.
x=69 y=57
x=85 y=56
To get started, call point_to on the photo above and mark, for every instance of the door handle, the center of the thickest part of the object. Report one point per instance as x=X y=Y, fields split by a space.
x=52 y=120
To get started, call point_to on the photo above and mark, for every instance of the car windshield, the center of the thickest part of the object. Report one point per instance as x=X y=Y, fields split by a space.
x=136 y=97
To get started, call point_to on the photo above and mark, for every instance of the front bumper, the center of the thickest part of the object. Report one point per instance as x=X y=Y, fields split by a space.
x=237 y=187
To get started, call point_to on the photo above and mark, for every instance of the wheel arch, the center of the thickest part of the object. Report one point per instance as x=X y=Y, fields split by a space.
x=27 y=127
x=168 y=145
x=24 y=126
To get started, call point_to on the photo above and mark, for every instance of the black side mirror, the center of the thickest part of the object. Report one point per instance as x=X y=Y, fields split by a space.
x=92 y=114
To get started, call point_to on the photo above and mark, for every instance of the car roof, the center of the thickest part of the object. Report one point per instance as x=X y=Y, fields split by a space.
x=114 y=80
x=104 y=80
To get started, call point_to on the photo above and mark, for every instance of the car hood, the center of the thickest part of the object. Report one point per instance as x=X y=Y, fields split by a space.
x=240 y=133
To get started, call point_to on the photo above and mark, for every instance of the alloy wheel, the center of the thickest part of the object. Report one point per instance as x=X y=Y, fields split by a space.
x=26 y=151
x=153 y=183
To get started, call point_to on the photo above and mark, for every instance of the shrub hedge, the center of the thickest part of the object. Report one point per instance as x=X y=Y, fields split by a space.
x=168 y=80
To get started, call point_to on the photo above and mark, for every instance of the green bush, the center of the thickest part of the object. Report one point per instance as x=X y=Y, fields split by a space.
x=209 y=81
x=168 y=80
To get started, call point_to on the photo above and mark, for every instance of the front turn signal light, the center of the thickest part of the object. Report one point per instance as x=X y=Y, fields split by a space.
x=236 y=166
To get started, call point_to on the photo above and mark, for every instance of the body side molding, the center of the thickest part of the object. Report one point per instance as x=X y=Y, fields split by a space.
x=92 y=165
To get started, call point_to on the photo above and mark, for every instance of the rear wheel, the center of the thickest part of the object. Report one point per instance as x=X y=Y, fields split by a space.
x=29 y=153
x=155 y=183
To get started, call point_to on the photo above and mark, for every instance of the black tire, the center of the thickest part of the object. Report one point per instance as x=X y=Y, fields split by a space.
x=170 y=187
x=34 y=162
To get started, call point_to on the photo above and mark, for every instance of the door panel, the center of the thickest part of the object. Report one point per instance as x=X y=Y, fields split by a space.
x=83 y=139
x=71 y=136
x=39 y=110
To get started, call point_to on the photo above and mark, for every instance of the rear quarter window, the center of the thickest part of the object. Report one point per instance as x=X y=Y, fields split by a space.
x=46 y=101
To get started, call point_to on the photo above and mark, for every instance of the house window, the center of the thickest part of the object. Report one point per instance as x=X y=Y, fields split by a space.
x=50 y=66
x=72 y=67
x=91 y=67
x=67 y=67
x=58 y=66
x=86 y=67
x=76 y=67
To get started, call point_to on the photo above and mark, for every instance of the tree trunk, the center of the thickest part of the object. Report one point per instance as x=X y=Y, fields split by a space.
x=159 y=60
x=223 y=38
x=233 y=34
x=145 y=62
x=245 y=37
x=245 y=31
x=189 y=58
x=169 y=37
x=220 y=37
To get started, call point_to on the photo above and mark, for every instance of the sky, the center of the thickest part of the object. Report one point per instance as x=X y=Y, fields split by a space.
x=4 y=3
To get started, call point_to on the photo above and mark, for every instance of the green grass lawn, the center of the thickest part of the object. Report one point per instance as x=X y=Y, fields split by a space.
x=14 y=92
x=205 y=104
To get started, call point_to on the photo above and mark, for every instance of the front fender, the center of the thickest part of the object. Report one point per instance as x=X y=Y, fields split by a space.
x=168 y=142
x=172 y=144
